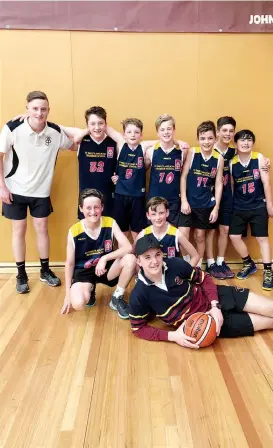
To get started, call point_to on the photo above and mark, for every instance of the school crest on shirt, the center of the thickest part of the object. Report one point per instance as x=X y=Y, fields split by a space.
x=48 y=140
x=213 y=172
x=256 y=173
x=140 y=162
x=171 y=252
x=178 y=280
x=108 y=245
x=128 y=173
x=110 y=152
x=177 y=165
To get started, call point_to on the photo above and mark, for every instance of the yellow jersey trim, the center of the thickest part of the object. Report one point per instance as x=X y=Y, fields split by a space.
x=77 y=229
x=148 y=230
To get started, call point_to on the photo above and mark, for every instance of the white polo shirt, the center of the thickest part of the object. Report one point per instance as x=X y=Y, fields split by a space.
x=30 y=157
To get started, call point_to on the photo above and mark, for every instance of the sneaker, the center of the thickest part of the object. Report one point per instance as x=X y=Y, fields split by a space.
x=118 y=304
x=227 y=271
x=50 y=278
x=216 y=271
x=248 y=269
x=268 y=280
x=92 y=300
x=22 y=284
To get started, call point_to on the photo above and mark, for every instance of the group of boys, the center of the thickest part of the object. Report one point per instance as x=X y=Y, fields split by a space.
x=187 y=189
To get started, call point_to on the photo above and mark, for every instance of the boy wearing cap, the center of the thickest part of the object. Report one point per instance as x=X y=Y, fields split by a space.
x=173 y=290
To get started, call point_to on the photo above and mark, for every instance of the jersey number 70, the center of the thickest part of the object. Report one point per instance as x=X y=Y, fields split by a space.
x=168 y=179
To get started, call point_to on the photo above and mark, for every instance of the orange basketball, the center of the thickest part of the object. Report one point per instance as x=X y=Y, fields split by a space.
x=202 y=327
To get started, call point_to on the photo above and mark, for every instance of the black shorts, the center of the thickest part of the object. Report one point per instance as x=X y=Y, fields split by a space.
x=88 y=276
x=107 y=207
x=174 y=212
x=224 y=216
x=198 y=219
x=38 y=207
x=236 y=321
x=129 y=212
x=257 y=219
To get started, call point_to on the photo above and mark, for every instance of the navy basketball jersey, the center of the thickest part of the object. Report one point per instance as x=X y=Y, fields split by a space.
x=248 y=187
x=201 y=179
x=165 y=173
x=88 y=251
x=169 y=242
x=97 y=164
x=227 y=197
x=131 y=172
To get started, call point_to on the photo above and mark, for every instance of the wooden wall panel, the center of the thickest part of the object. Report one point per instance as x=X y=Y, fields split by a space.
x=194 y=77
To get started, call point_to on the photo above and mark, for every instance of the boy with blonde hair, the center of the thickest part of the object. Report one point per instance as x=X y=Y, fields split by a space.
x=166 y=159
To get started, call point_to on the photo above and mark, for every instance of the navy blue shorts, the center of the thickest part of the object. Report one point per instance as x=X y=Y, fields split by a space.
x=129 y=212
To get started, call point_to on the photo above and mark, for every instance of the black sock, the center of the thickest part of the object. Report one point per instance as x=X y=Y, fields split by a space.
x=44 y=264
x=247 y=260
x=267 y=266
x=21 y=266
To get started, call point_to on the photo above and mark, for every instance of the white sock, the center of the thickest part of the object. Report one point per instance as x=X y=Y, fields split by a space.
x=119 y=291
x=220 y=260
x=187 y=258
x=210 y=261
x=199 y=264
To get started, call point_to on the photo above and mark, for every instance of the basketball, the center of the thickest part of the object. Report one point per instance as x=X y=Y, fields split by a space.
x=202 y=327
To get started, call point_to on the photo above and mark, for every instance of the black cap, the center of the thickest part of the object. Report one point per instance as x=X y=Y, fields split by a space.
x=145 y=243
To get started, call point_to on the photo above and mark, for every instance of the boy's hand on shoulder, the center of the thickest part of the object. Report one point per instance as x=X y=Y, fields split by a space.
x=185 y=208
x=114 y=178
x=20 y=117
x=183 y=145
x=214 y=215
x=178 y=336
x=266 y=164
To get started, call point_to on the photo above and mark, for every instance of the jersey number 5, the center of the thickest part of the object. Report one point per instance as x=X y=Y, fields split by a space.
x=168 y=179
x=96 y=167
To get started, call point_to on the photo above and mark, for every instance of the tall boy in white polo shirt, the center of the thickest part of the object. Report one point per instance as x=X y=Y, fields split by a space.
x=28 y=151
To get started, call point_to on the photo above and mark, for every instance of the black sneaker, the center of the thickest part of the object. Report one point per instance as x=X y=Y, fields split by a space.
x=118 y=304
x=268 y=280
x=22 y=284
x=248 y=269
x=50 y=278
x=227 y=271
x=92 y=300
x=215 y=271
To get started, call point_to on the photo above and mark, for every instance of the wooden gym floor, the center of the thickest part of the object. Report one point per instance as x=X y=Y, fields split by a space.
x=84 y=380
